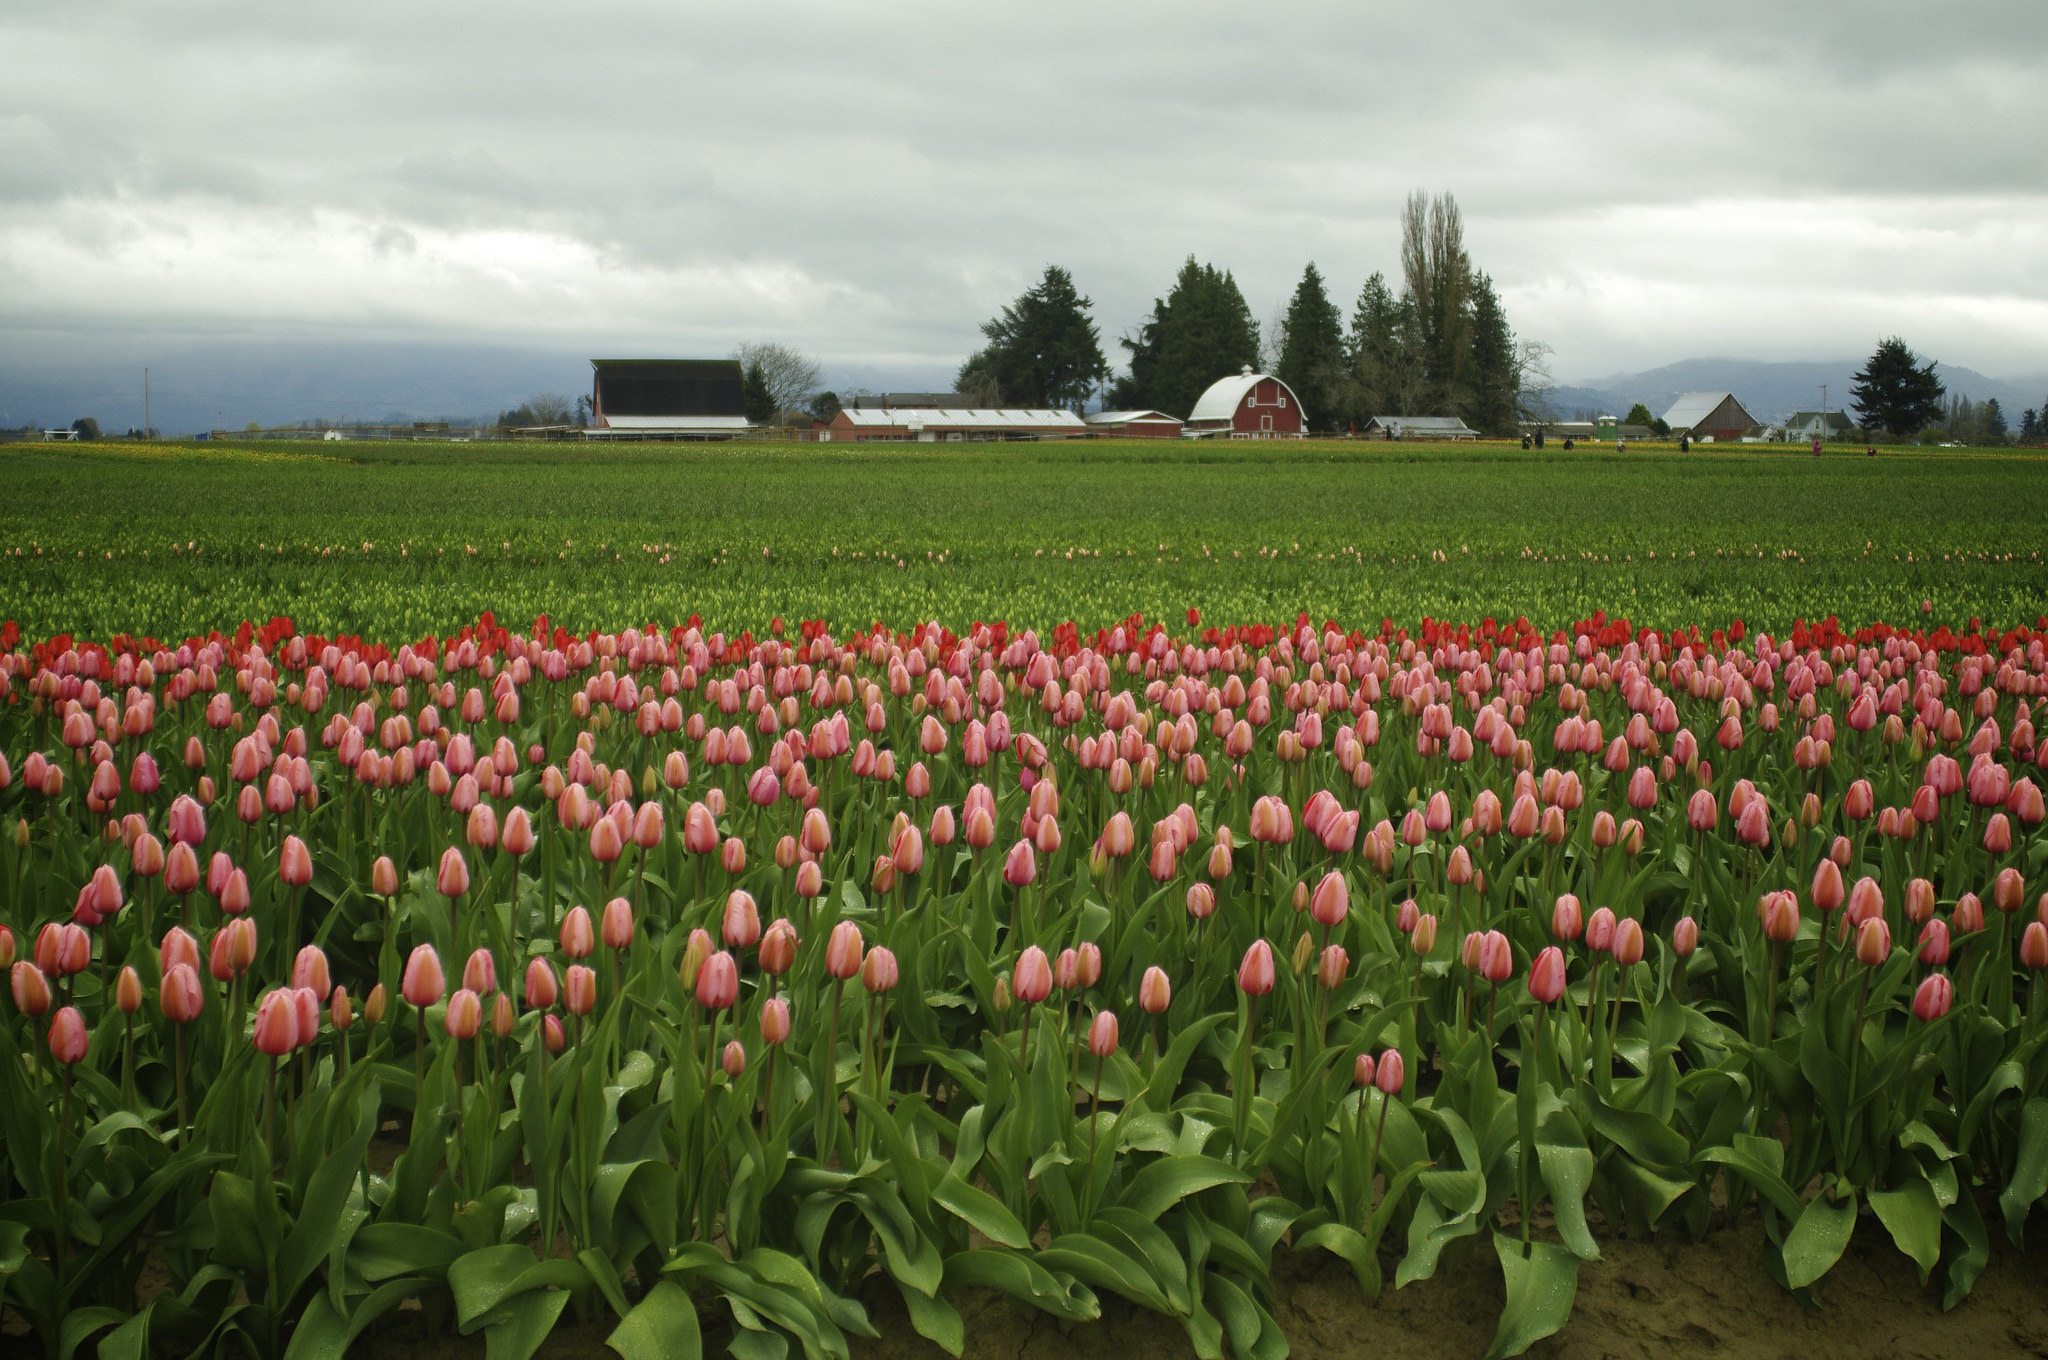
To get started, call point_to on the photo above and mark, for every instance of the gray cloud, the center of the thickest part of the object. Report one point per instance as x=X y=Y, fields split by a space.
x=1643 y=181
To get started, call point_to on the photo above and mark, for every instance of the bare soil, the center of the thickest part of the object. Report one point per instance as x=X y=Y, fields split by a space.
x=1646 y=1300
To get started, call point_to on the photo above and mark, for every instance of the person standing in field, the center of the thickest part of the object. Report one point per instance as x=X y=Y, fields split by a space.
x=1816 y=446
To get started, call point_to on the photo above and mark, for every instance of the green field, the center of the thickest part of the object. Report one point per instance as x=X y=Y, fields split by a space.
x=391 y=540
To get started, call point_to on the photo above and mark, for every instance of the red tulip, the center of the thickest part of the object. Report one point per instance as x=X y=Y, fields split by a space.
x=1255 y=973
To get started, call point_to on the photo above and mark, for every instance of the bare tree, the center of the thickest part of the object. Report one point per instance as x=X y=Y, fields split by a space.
x=792 y=377
x=1438 y=274
x=1533 y=381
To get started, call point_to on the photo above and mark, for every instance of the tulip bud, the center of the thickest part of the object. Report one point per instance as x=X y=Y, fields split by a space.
x=67 y=1036
x=1547 y=975
x=578 y=938
x=2034 y=946
x=616 y=925
x=128 y=991
x=181 y=996
x=1685 y=937
x=1033 y=982
x=1932 y=998
x=1873 y=942
x=1102 y=1034
x=1333 y=967
x=1422 y=937
x=374 y=1004
x=844 y=951
x=1628 y=942
x=423 y=983
x=579 y=990
x=1968 y=917
x=1155 y=991
x=277 y=1024
x=775 y=1020
x=1390 y=1072
x=878 y=972
x=1255 y=974
x=734 y=1060
x=465 y=1014
x=480 y=973
x=1565 y=919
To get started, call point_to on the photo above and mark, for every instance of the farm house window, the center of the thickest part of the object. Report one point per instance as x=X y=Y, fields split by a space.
x=1251 y=401
x=1283 y=400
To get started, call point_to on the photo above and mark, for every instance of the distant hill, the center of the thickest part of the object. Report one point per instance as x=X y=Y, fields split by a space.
x=1772 y=391
x=196 y=383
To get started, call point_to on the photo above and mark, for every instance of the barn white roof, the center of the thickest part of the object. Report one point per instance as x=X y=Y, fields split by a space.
x=1690 y=409
x=1425 y=424
x=660 y=423
x=1220 y=402
x=1127 y=417
x=959 y=418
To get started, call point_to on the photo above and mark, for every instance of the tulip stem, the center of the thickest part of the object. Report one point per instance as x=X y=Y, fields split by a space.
x=1244 y=1070
x=63 y=1173
x=182 y=1121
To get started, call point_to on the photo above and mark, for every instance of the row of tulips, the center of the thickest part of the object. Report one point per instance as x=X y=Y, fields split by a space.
x=501 y=976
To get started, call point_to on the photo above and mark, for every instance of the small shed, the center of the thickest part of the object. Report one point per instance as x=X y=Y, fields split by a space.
x=1418 y=427
x=1134 y=424
x=1710 y=416
x=1246 y=405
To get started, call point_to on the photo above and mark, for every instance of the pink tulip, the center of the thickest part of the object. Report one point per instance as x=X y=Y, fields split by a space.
x=277 y=1024
x=878 y=971
x=1155 y=992
x=181 y=996
x=1565 y=920
x=465 y=1015
x=423 y=983
x=615 y=928
x=1033 y=982
x=579 y=940
x=67 y=1036
x=1685 y=937
x=541 y=987
x=1102 y=1034
x=1547 y=975
x=844 y=951
x=480 y=973
x=579 y=990
x=1390 y=1072
x=1932 y=998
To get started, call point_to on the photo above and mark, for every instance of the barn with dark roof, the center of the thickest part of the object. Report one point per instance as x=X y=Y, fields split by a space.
x=668 y=398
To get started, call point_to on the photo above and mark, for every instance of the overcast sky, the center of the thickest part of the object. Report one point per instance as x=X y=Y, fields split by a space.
x=1645 y=181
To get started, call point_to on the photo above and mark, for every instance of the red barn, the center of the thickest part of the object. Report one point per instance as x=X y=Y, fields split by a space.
x=1246 y=405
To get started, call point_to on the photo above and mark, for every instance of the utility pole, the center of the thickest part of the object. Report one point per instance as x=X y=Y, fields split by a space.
x=145 y=403
x=1823 y=410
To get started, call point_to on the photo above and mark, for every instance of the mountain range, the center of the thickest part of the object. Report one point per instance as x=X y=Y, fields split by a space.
x=1773 y=391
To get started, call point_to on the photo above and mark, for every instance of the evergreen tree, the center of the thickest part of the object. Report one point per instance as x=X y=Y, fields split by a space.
x=2029 y=425
x=1043 y=351
x=1991 y=421
x=1373 y=352
x=1312 y=354
x=1896 y=393
x=1495 y=386
x=1201 y=331
x=760 y=402
x=1639 y=414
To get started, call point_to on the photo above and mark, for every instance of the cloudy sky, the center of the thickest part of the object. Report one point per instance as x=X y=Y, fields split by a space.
x=1645 y=181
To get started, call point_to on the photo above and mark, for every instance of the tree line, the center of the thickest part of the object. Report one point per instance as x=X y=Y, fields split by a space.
x=1442 y=345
